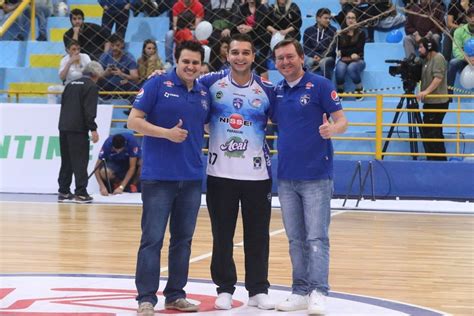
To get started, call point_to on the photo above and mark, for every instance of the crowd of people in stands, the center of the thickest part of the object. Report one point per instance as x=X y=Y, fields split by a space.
x=336 y=47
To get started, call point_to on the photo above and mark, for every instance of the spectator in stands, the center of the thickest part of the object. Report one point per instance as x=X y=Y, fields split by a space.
x=120 y=156
x=417 y=27
x=223 y=16
x=457 y=15
x=116 y=12
x=149 y=61
x=121 y=70
x=219 y=53
x=351 y=50
x=43 y=10
x=285 y=17
x=73 y=64
x=91 y=37
x=205 y=68
x=366 y=10
x=461 y=35
x=19 y=29
x=319 y=44
x=251 y=17
x=76 y=119
x=186 y=15
x=152 y=7
x=433 y=81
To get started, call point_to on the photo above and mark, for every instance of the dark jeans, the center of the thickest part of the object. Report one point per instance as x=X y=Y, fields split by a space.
x=223 y=196
x=117 y=17
x=74 y=160
x=434 y=132
x=179 y=201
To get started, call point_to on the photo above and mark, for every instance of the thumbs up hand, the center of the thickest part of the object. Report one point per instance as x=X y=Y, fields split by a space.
x=177 y=134
x=326 y=130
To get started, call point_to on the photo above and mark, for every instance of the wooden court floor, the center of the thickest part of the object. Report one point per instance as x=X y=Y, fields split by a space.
x=421 y=259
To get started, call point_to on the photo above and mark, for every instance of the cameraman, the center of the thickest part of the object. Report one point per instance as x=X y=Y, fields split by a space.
x=433 y=81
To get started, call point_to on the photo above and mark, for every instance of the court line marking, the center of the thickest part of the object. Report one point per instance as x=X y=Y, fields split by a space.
x=240 y=244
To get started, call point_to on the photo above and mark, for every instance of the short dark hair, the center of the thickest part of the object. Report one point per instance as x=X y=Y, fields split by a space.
x=72 y=43
x=118 y=141
x=286 y=42
x=116 y=38
x=429 y=44
x=470 y=11
x=323 y=11
x=242 y=37
x=76 y=12
x=193 y=46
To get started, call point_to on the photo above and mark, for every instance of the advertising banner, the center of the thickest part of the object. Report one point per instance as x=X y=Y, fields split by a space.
x=29 y=147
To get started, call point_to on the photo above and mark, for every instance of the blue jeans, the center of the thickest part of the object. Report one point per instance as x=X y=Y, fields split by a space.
x=354 y=70
x=326 y=66
x=42 y=14
x=455 y=66
x=179 y=200
x=306 y=211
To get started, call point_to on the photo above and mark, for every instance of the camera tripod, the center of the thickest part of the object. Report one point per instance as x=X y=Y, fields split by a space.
x=413 y=118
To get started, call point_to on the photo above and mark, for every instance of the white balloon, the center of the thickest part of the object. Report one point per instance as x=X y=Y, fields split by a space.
x=62 y=9
x=207 y=53
x=276 y=38
x=203 y=30
x=467 y=77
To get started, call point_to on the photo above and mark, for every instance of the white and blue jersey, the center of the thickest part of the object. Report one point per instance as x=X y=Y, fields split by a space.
x=302 y=153
x=165 y=100
x=238 y=118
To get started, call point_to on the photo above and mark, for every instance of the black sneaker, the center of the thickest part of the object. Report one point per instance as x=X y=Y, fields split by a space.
x=65 y=197
x=81 y=199
x=359 y=91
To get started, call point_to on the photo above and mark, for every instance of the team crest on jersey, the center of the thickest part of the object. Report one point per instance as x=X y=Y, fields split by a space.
x=168 y=83
x=238 y=103
x=135 y=150
x=257 y=90
x=334 y=96
x=309 y=85
x=222 y=84
x=219 y=95
x=304 y=99
x=256 y=103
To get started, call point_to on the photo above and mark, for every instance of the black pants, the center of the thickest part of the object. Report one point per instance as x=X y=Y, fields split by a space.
x=223 y=196
x=434 y=132
x=74 y=160
x=117 y=17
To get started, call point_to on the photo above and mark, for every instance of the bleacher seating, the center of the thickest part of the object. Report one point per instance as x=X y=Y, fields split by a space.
x=41 y=59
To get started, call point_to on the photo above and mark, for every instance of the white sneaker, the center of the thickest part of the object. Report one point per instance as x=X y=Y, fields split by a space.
x=294 y=302
x=316 y=303
x=145 y=309
x=223 y=301
x=262 y=301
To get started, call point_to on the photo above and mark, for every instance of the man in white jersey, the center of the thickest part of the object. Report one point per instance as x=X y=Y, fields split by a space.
x=239 y=171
